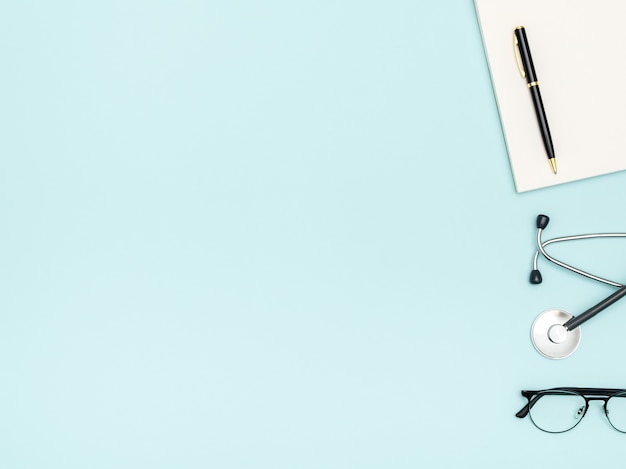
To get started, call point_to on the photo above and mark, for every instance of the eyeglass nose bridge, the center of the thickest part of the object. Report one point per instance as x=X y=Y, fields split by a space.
x=604 y=399
x=582 y=410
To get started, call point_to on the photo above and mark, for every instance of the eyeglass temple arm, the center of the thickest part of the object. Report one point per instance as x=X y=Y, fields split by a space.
x=523 y=412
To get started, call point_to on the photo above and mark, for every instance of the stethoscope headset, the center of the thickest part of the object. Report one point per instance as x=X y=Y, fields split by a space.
x=556 y=333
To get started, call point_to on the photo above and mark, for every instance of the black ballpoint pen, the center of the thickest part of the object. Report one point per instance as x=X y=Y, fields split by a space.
x=527 y=69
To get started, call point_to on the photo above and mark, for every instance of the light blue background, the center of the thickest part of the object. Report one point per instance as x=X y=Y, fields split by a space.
x=278 y=234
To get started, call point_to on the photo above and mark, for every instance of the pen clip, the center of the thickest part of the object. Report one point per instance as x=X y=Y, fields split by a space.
x=518 y=56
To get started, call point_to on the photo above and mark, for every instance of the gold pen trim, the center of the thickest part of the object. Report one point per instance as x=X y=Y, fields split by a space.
x=533 y=83
x=553 y=164
x=518 y=55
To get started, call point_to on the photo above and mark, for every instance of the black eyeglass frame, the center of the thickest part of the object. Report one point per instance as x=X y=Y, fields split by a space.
x=588 y=394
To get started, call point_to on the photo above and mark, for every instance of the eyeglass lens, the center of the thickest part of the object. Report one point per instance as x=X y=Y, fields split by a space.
x=616 y=411
x=558 y=411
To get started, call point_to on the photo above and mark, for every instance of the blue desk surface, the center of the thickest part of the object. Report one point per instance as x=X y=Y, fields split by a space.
x=278 y=234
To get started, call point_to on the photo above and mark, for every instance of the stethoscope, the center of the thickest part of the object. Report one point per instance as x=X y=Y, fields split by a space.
x=556 y=333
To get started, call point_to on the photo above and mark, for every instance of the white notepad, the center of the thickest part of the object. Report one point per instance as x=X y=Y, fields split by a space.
x=579 y=50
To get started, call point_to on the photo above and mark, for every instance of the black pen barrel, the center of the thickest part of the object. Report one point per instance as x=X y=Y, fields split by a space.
x=543 y=122
x=533 y=85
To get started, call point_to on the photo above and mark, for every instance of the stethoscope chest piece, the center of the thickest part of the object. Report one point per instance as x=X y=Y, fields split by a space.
x=551 y=338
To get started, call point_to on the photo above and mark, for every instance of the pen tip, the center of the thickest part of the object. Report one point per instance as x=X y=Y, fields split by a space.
x=553 y=164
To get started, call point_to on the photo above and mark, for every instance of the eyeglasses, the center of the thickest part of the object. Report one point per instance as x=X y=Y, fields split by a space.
x=558 y=410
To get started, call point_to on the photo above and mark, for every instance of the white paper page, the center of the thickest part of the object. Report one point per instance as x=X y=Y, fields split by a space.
x=578 y=53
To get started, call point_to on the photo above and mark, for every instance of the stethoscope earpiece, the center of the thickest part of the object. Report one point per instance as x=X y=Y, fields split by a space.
x=542 y=221
x=535 y=277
